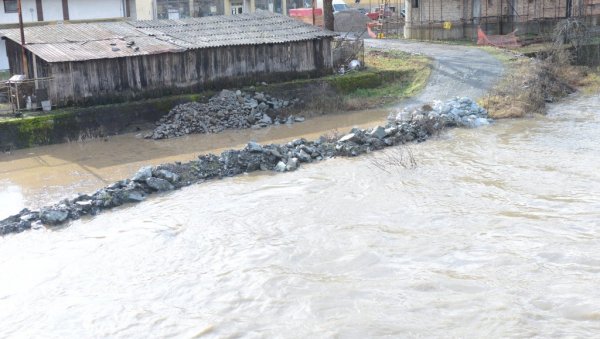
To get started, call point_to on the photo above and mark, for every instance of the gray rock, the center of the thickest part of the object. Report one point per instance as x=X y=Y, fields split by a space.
x=275 y=153
x=167 y=175
x=254 y=147
x=266 y=119
x=142 y=174
x=292 y=164
x=348 y=137
x=303 y=156
x=158 y=184
x=84 y=203
x=378 y=132
x=280 y=167
x=299 y=119
x=54 y=216
x=391 y=131
x=135 y=196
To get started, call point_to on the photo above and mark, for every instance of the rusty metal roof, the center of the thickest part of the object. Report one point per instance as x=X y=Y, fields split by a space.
x=89 y=41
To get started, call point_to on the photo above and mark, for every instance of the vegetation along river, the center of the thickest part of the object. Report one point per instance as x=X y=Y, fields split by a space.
x=494 y=233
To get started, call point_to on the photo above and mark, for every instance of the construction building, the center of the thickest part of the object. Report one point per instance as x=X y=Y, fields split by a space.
x=460 y=19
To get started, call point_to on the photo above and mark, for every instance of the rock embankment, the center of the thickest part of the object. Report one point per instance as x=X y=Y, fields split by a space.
x=402 y=128
x=226 y=110
x=457 y=112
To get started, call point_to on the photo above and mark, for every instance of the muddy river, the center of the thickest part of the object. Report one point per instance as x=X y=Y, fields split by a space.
x=495 y=233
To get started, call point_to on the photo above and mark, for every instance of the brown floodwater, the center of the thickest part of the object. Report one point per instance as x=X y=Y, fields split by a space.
x=37 y=176
x=494 y=234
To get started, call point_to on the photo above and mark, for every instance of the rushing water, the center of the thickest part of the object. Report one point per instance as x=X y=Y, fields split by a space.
x=495 y=233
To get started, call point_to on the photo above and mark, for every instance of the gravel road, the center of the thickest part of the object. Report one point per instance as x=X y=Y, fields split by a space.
x=457 y=70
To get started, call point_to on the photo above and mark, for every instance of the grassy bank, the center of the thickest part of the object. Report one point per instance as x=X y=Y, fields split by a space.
x=531 y=83
x=400 y=75
x=388 y=77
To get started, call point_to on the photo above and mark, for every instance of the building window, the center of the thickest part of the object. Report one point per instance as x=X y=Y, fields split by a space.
x=415 y=4
x=179 y=9
x=10 y=6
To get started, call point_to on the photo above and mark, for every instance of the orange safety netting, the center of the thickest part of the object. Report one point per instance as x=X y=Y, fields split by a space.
x=505 y=41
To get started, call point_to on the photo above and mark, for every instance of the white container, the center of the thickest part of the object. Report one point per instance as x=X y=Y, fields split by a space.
x=46 y=105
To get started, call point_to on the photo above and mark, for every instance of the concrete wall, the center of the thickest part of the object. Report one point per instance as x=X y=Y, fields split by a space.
x=53 y=11
x=29 y=13
x=144 y=9
x=78 y=10
x=132 y=9
x=95 y=9
x=11 y=18
x=3 y=57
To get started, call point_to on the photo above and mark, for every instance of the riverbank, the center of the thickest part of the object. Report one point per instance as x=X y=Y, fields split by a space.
x=532 y=81
x=386 y=79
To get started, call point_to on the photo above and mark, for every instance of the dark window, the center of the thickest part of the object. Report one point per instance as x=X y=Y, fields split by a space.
x=10 y=6
x=415 y=3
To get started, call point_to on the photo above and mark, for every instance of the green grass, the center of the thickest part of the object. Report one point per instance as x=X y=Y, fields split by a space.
x=389 y=76
x=398 y=76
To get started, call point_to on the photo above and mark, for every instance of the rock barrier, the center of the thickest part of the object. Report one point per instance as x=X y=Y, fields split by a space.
x=226 y=110
x=414 y=126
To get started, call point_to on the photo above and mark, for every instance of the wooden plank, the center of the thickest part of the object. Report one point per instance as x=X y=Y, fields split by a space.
x=40 y=10
x=65 y=8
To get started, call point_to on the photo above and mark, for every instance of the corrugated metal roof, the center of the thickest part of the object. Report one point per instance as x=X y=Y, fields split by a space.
x=65 y=51
x=78 y=42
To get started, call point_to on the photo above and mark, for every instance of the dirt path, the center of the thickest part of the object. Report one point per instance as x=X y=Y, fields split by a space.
x=457 y=70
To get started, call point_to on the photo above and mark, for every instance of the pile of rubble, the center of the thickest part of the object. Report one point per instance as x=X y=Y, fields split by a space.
x=226 y=110
x=457 y=112
x=424 y=123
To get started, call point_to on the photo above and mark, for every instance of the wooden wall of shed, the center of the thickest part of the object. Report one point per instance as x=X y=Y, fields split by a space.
x=114 y=80
x=15 y=61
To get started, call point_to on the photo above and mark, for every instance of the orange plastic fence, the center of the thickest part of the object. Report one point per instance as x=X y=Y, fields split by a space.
x=509 y=40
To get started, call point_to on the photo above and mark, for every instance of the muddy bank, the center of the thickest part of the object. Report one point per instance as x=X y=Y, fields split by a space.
x=78 y=124
x=407 y=126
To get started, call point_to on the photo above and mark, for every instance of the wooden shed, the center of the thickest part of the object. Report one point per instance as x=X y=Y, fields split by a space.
x=93 y=63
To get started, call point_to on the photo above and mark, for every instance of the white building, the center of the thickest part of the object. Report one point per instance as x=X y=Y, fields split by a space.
x=60 y=10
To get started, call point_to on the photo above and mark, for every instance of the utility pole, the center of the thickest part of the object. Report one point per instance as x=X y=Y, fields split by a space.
x=313 y=11
x=25 y=66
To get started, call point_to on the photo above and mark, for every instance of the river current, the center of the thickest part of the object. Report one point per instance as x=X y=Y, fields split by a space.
x=495 y=233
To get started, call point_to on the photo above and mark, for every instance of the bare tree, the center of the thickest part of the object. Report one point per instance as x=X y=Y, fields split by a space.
x=394 y=159
x=328 y=14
